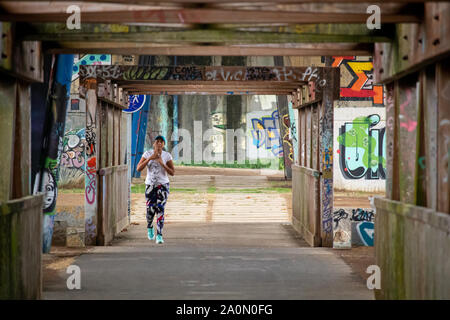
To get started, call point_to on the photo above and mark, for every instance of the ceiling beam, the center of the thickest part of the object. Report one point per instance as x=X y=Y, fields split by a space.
x=158 y=2
x=136 y=49
x=249 y=83
x=210 y=16
x=205 y=36
x=206 y=88
x=212 y=92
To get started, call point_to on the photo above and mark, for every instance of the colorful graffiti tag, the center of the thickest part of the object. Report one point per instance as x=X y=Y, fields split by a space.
x=356 y=229
x=360 y=87
x=73 y=149
x=89 y=59
x=362 y=149
x=366 y=232
x=73 y=159
x=266 y=133
x=286 y=137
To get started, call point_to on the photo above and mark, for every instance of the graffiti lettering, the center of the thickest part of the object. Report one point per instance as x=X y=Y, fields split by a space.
x=362 y=149
x=366 y=232
x=266 y=133
x=74 y=144
x=327 y=206
x=360 y=87
x=362 y=215
x=286 y=138
x=338 y=215
x=91 y=173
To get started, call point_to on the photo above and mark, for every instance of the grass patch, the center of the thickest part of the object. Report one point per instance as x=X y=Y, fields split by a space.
x=141 y=189
x=277 y=164
x=74 y=190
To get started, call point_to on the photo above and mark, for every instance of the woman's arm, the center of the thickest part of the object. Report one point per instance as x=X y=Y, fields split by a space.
x=168 y=166
x=143 y=162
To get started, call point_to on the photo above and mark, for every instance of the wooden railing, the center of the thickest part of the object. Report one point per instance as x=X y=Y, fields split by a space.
x=21 y=248
x=113 y=202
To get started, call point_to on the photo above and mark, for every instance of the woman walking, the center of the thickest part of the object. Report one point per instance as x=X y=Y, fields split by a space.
x=159 y=164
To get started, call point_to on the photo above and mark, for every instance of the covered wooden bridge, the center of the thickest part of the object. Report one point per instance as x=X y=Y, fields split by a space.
x=410 y=54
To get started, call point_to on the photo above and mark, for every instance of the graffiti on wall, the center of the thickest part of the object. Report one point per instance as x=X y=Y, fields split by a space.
x=207 y=73
x=89 y=59
x=91 y=170
x=353 y=227
x=362 y=149
x=358 y=84
x=73 y=149
x=266 y=133
x=286 y=137
x=293 y=131
x=73 y=159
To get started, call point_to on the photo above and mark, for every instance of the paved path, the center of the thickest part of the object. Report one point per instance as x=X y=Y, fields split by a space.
x=217 y=246
x=212 y=261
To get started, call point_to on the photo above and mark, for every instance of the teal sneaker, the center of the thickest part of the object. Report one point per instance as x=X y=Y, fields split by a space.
x=150 y=234
x=159 y=239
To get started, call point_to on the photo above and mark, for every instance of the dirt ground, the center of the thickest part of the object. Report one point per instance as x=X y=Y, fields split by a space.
x=57 y=261
x=358 y=258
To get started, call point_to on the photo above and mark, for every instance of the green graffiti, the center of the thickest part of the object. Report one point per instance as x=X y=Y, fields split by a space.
x=362 y=148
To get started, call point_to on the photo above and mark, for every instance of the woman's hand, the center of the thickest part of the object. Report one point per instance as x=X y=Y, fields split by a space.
x=160 y=161
x=155 y=155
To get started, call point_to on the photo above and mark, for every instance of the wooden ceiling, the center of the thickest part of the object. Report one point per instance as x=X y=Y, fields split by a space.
x=210 y=27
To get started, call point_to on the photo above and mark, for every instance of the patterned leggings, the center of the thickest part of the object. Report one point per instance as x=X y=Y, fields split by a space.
x=156 y=200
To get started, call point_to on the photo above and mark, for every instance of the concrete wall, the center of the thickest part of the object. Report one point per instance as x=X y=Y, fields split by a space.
x=205 y=120
x=69 y=220
x=73 y=167
x=353 y=227
x=359 y=125
x=359 y=99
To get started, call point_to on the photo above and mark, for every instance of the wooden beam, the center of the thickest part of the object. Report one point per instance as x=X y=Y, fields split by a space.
x=205 y=73
x=211 y=85
x=295 y=76
x=217 y=93
x=202 y=36
x=246 y=2
x=210 y=16
x=135 y=49
x=249 y=83
x=321 y=29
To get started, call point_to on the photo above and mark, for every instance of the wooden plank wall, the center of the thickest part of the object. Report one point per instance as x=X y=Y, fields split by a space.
x=7 y=119
x=113 y=186
x=20 y=248
x=307 y=184
x=412 y=227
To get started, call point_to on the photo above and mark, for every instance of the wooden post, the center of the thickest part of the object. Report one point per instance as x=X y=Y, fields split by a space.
x=22 y=148
x=430 y=109
x=443 y=134
x=326 y=156
x=391 y=142
x=91 y=163
x=7 y=108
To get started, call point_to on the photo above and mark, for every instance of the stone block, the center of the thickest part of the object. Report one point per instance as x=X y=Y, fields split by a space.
x=75 y=237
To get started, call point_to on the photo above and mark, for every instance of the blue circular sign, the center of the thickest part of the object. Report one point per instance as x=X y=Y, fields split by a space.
x=136 y=102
